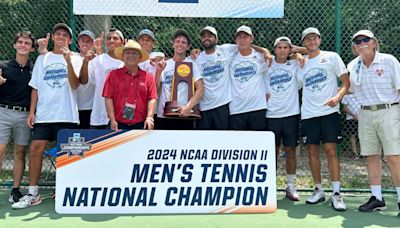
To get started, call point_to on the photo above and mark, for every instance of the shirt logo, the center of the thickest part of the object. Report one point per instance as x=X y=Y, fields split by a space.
x=244 y=71
x=212 y=72
x=168 y=78
x=280 y=80
x=55 y=75
x=323 y=61
x=379 y=72
x=315 y=79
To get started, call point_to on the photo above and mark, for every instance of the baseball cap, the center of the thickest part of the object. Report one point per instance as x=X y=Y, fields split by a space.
x=147 y=32
x=63 y=26
x=120 y=34
x=209 y=29
x=245 y=29
x=283 y=39
x=366 y=33
x=182 y=32
x=308 y=31
x=87 y=33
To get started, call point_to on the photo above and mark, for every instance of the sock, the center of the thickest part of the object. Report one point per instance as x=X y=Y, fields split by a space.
x=33 y=190
x=335 y=186
x=291 y=179
x=319 y=186
x=376 y=191
x=398 y=194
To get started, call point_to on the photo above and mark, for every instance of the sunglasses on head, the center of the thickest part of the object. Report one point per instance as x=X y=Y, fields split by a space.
x=365 y=40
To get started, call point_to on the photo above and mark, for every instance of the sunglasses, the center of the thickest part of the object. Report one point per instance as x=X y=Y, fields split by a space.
x=365 y=40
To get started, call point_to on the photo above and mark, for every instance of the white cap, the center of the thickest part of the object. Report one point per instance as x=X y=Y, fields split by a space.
x=308 y=31
x=366 y=33
x=245 y=29
x=209 y=29
x=283 y=39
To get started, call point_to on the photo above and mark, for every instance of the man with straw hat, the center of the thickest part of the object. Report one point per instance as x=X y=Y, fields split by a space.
x=130 y=93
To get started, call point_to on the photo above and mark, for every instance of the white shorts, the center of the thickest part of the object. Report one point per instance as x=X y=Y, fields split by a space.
x=379 y=130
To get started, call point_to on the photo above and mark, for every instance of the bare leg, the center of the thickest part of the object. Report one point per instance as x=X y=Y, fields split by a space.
x=333 y=161
x=35 y=160
x=19 y=164
x=314 y=161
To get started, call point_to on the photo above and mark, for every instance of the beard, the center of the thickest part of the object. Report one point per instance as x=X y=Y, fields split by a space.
x=209 y=45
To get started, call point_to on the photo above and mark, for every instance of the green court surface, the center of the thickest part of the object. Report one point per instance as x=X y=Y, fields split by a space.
x=289 y=214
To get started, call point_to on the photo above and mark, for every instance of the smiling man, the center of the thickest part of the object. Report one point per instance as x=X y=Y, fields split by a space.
x=375 y=81
x=130 y=93
x=15 y=95
x=53 y=104
x=320 y=112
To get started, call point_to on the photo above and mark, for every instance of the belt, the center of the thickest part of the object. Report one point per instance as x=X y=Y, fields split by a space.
x=378 y=106
x=15 y=108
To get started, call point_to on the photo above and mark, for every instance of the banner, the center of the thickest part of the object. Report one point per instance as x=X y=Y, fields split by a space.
x=156 y=172
x=182 y=8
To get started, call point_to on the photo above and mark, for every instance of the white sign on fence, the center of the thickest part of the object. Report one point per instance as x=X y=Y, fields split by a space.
x=182 y=8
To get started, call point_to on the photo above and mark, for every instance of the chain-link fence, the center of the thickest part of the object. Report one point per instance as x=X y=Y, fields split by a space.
x=336 y=20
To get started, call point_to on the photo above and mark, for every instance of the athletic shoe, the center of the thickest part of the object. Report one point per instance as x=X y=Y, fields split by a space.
x=291 y=193
x=27 y=201
x=337 y=202
x=15 y=196
x=373 y=204
x=317 y=196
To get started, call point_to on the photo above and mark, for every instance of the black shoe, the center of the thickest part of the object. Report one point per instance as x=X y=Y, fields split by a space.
x=15 y=195
x=373 y=204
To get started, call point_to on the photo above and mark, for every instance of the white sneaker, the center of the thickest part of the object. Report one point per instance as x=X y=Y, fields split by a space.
x=27 y=201
x=317 y=196
x=292 y=194
x=337 y=202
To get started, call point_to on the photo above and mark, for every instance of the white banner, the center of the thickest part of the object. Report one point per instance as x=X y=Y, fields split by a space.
x=155 y=172
x=182 y=8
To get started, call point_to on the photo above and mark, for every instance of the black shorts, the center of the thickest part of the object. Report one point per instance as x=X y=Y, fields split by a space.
x=84 y=119
x=286 y=129
x=248 y=121
x=214 y=119
x=48 y=131
x=350 y=127
x=323 y=128
x=174 y=124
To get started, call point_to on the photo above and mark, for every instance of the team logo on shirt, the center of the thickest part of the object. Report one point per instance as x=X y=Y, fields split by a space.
x=56 y=75
x=212 y=72
x=379 y=72
x=280 y=80
x=315 y=79
x=244 y=71
x=168 y=78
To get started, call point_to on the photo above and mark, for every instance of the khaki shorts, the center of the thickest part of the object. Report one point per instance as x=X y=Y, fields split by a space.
x=14 y=122
x=379 y=130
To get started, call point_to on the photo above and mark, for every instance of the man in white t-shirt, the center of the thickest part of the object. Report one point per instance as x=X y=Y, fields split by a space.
x=375 y=81
x=53 y=104
x=96 y=70
x=283 y=108
x=148 y=41
x=320 y=112
x=248 y=70
x=164 y=75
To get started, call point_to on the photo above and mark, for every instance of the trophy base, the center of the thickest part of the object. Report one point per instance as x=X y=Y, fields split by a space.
x=171 y=111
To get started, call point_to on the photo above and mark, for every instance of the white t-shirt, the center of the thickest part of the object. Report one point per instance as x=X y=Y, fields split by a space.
x=166 y=83
x=99 y=68
x=248 y=87
x=378 y=84
x=283 y=88
x=319 y=78
x=146 y=66
x=214 y=69
x=85 y=92
x=56 y=99
x=353 y=105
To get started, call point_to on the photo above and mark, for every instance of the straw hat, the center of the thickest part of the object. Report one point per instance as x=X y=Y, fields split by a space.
x=131 y=44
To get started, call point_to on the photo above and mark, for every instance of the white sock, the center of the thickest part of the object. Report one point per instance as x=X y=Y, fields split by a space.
x=376 y=191
x=291 y=179
x=398 y=194
x=335 y=186
x=33 y=190
x=319 y=186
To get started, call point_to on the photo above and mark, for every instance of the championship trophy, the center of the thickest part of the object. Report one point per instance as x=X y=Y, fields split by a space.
x=183 y=73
